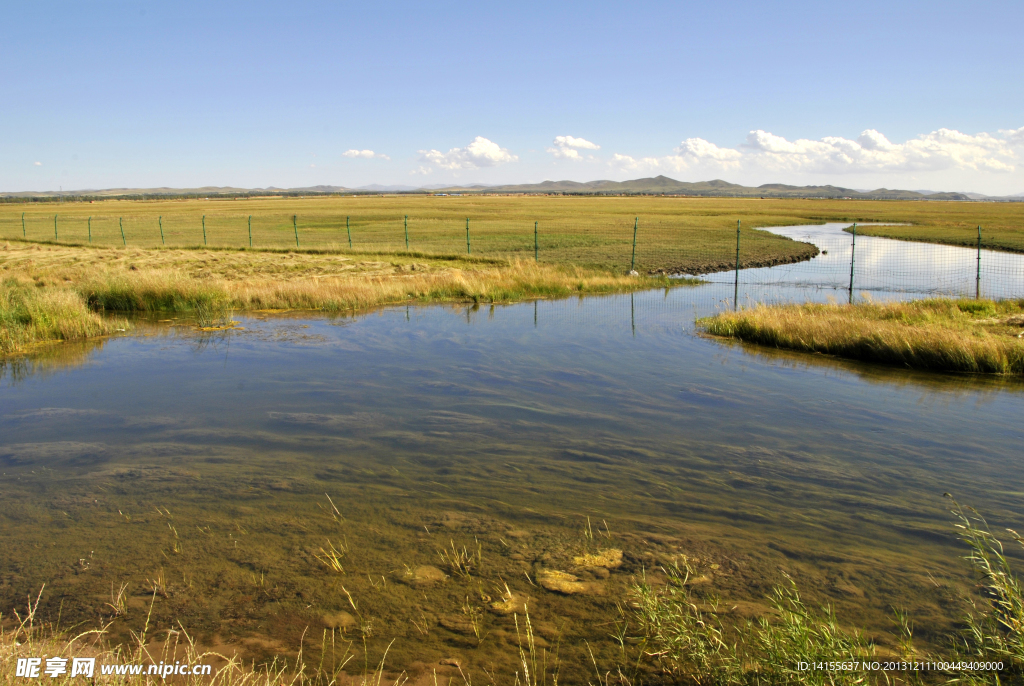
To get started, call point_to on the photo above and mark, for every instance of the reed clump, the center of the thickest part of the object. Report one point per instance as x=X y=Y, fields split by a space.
x=31 y=314
x=972 y=336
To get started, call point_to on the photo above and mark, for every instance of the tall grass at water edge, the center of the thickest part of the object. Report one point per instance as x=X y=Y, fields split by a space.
x=65 y=308
x=973 y=336
x=30 y=315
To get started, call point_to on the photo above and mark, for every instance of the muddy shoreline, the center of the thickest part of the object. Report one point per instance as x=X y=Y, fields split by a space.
x=698 y=268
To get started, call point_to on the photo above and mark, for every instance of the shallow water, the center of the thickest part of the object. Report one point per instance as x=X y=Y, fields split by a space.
x=198 y=465
x=882 y=265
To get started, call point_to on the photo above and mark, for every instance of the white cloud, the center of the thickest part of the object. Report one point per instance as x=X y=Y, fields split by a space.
x=939 y=150
x=871 y=153
x=567 y=147
x=480 y=153
x=628 y=163
x=698 y=148
x=1015 y=136
x=37 y=164
x=365 y=154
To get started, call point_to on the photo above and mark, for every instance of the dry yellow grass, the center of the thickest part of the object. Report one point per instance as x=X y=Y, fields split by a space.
x=54 y=292
x=974 y=336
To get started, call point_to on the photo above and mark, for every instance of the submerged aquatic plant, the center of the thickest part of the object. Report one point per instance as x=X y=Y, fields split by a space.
x=331 y=555
x=460 y=561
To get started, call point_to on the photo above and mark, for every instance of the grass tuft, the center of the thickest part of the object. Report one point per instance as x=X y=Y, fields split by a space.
x=972 y=336
x=35 y=314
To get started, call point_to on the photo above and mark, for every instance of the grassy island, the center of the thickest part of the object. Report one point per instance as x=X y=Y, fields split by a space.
x=973 y=336
x=61 y=293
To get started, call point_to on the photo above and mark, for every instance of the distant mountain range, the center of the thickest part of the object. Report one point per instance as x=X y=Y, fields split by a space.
x=659 y=185
x=719 y=188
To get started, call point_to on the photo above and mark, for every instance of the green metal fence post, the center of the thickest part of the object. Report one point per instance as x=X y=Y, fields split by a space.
x=23 y=234
x=295 y=225
x=468 y=250
x=250 y=230
x=736 y=283
x=348 y=228
x=977 y=279
x=160 y=220
x=90 y=229
x=204 y=229
x=407 y=232
x=55 y=237
x=123 y=239
x=853 y=256
x=536 y=247
x=632 y=260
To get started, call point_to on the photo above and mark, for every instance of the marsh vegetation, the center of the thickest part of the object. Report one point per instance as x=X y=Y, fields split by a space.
x=968 y=336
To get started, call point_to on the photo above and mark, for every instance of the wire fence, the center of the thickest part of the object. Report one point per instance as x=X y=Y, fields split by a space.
x=863 y=264
x=829 y=255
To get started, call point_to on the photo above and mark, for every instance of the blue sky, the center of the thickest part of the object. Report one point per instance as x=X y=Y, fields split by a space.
x=860 y=94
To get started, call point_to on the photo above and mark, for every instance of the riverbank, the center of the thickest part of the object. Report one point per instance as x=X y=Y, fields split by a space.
x=996 y=234
x=968 y=336
x=58 y=293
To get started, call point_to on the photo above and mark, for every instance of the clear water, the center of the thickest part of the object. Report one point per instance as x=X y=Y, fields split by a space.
x=198 y=464
x=883 y=265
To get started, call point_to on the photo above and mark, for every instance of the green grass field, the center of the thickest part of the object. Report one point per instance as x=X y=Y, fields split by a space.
x=673 y=233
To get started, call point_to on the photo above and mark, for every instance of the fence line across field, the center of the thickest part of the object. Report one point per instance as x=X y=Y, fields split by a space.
x=848 y=260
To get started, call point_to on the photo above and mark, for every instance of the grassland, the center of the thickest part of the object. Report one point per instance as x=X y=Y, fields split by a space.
x=685 y=234
x=194 y=256
x=56 y=292
x=1002 y=228
x=970 y=336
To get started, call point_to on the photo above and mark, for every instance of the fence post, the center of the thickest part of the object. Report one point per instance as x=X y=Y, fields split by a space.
x=977 y=279
x=736 y=284
x=348 y=228
x=469 y=250
x=204 y=229
x=160 y=220
x=250 y=230
x=123 y=240
x=295 y=225
x=55 y=237
x=632 y=260
x=853 y=255
x=90 y=229
x=407 y=232
x=536 y=247
x=23 y=234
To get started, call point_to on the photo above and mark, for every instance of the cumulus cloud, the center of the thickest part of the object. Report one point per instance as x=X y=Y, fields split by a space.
x=480 y=153
x=629 y=163
x=1015 y=136
x=871 y=152
x=568 y=147
x=37 y=164
x=365 y=154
